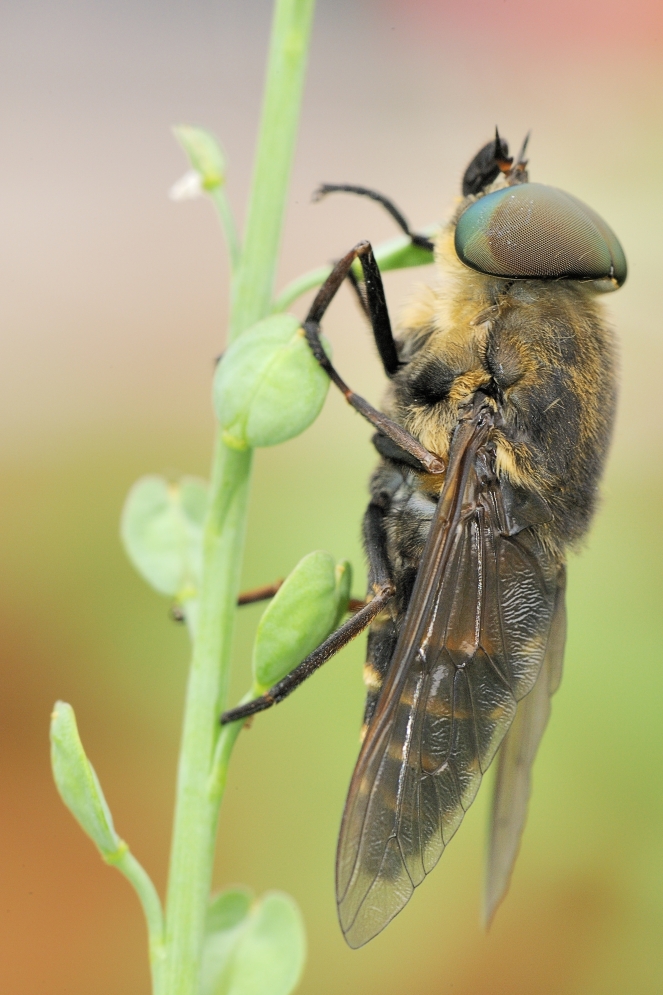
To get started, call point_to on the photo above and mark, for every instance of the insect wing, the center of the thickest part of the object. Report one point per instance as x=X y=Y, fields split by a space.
x=471 y=646
x=514 y=762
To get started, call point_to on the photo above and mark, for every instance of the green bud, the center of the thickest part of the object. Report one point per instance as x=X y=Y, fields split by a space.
x=269 y=387
x=204 y=153
x=263 y=951
x=305 y=609
x=162 y=530
x=78 y=784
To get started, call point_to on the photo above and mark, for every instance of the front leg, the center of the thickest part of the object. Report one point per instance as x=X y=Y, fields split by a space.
x=384 y=340
x=422 y=241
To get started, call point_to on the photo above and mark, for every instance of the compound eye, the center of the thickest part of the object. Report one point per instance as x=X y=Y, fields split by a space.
x=532 y=231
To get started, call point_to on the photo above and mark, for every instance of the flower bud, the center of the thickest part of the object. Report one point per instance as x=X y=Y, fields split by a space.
x=205 y=155
x=305 y=610
x=269 y=387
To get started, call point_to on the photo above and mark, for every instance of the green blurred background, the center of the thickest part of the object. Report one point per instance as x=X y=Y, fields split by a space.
x=113 y=308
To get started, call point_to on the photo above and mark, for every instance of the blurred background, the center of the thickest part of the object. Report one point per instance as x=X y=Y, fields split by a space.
x=114 y=304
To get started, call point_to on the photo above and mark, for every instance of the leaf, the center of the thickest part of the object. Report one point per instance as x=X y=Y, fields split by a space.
x=400 y=253
x=162 y=528
x=228 y=909
x=261 y=955
x=78 y=784
x=305 y=609
x=204 y=153
x=269 y=387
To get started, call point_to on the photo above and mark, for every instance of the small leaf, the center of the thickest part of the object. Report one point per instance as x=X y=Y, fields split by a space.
x=228 y=909
x=300 y=616
x=205 y=155
x=400 y=253
x=161 y=528
x=262 y=955
x=271 y=952
x=78 y=784
x=226 y=915
x=269 y=387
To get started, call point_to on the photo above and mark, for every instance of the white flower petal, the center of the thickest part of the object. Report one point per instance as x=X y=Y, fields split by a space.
x=187 y=187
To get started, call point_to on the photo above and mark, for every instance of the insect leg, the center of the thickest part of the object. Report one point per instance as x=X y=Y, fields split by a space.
x=379 y=578
x=269 y=590
x=386 y=346
x=314 y=660
x=389 y=206
x=360 y=293
x=245 y=598
x=259 y=593
x=376 y=305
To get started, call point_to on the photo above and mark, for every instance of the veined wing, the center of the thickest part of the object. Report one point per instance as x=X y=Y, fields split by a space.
x=514 y=762
x=471 y=646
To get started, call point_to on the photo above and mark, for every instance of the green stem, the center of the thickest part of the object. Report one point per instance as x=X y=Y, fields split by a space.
x=218 y=195
x=302 y=284
x=196 y=813
x=222 y=753
x=278 y=131
x=127 y=864
x=196 y=808
x=397 y=253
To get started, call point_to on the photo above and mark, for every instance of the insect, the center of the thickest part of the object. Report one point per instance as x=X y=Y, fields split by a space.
x=492 y=441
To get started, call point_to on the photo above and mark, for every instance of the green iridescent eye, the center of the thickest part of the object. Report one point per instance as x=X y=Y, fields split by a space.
x=532 y=231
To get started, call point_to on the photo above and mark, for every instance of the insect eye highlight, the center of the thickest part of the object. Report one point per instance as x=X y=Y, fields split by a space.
x=533 y=231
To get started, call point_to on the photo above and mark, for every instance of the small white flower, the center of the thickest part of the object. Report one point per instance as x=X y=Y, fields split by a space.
x=187 y=187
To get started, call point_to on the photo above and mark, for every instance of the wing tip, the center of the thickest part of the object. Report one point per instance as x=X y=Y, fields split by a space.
x=354 y=932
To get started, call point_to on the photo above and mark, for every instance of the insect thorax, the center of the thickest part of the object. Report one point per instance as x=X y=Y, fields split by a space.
x=543 y=351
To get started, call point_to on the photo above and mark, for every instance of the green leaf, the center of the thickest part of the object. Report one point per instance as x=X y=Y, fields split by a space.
x=269 y=387
x=301 y=615
x=204 y=153
x=226 y=914
x=400 y=253
x=228 y=909
x=263 y=954
x=78 y=784
x=161 y=528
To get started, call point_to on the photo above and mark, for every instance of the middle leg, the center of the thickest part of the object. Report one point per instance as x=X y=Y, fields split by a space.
x=420 y=240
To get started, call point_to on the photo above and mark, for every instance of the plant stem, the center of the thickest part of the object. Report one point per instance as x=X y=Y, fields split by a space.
x=196 y=810
x=196 y=813
x=397 y=253
x=127 y=864
x=222 y=753
x=220 y=200
x=300 y=285
x=278 y=130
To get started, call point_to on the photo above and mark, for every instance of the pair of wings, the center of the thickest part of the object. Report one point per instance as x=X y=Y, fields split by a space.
x=478 y=656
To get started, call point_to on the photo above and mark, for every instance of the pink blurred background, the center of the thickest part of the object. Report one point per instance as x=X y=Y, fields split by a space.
x=113 y=307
